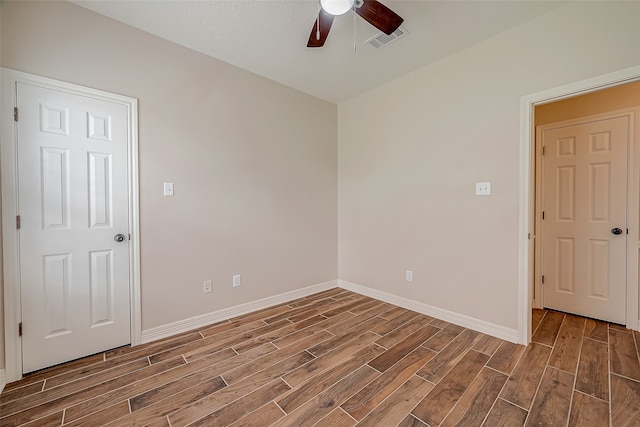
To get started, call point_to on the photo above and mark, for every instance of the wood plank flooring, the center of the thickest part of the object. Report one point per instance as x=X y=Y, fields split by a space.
x=337 y=358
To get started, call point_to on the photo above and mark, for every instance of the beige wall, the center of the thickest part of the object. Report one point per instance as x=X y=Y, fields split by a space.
x=254 y=163
x=603 y=101
x=411 y=151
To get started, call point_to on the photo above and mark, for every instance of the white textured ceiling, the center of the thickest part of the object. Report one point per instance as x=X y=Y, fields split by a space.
x=269 y=37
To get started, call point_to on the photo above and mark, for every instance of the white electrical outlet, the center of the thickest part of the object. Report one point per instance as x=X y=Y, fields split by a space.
x=408 y=276
x=483 y=188
x=207 y=287
x=236 y=280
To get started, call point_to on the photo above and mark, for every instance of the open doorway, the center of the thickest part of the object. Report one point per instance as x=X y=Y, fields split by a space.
x=548 y=106
x=583 y=148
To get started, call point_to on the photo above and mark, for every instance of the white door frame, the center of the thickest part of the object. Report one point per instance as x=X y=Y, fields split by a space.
x=527 y=194
x=10 y=242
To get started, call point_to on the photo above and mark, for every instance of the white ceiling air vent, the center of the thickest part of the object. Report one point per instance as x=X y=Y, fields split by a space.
x=382 y=39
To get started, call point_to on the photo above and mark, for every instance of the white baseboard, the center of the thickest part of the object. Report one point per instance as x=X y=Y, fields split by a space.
x=181 y=326
x=3 y=379
x=439 y=313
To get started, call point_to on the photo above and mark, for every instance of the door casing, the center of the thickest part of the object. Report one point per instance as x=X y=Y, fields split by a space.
x=10 y=238
x=526 y=202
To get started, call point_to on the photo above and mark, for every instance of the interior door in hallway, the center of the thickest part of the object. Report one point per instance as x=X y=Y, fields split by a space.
x=73 y=207
x=584 y=224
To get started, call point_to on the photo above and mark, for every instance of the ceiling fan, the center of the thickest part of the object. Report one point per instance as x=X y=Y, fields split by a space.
x=374 y=12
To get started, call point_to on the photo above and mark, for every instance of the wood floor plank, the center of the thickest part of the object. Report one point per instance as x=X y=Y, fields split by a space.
x=536 y=318
x=523 y=383
x=213 y=342
x=129 y=353
x=394 y=323
x=411 y=421
x=315 y=385
x=59 y=398
x=587 y=411
x=214 y=345
x=113 y=412
x=277 y=333
x=447 y=359
x=348 y=307
x=379 y=389
x=58 y=369
x=194 y=409
x=593 y=369
x=624 y=355
x=395 y=336
x=625 y=402
x=21 y=392
x=167 y=390
x=506 y=357
x=441 y=324
x=549 y=328
x=270 y=359
x=320 y=364
x=311 y=330
x=357 y=321
x=487 y=344
x=474 y=405
x=553 y=399
x=330 y=343
x=443 y=337
x=505 y=414
x=261 y=417
x=394 y=313
x=215 y=364
x=372 y=308
x=320 y=405
x=398 y=406
x=89 y=377
x=391 y=356
x=243 y=406
x=52 y=420
x=336 y=418
x=567 y=346
x=435 y=406
x=596 y=330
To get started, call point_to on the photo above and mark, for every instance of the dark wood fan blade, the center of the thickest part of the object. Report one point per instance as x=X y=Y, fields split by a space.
x=380 y=16
x=325 y=19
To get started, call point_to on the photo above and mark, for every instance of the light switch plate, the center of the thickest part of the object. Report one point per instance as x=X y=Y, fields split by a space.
x=168 y=188
x=483 y=188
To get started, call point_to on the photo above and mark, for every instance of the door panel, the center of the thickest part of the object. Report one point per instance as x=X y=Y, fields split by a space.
x=584 y=197
x=72 y=173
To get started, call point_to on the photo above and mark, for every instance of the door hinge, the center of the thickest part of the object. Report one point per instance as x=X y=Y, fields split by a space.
x=15 y=114
x=542 y=214
x=20 y=329
x=543 y=279
x=529 y=236
x=18 y=222
x=544 y=150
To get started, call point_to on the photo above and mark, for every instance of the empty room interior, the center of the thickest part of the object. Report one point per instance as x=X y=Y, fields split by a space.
x=274 y=213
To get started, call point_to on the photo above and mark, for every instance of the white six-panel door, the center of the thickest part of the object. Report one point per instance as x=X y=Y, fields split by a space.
x=584 y=202
x=72 y=202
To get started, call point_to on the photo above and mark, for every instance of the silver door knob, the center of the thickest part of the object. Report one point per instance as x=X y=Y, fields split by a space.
x=616 y=231
x=119 y=238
